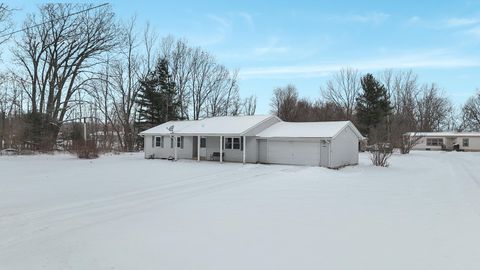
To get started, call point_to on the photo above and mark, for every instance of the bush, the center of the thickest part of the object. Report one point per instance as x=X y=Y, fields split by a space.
x=88 y=150
x=380 y=153
x=408 y=142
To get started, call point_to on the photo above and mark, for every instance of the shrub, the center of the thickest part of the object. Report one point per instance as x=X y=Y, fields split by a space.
x=380 y=153
x=88 y=150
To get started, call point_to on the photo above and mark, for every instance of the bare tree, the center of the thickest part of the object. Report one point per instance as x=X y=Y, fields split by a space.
x=55 y=58
x=126 y=73
x=343 y=90
x=5 y=23
x=284 y=102
x=179 y=56
x=433 y=108
x=250 y=105
x=471 y=113
x=224 y=98
x=403 y=90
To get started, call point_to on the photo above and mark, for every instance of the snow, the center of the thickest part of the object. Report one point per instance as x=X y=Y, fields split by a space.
x=211 y=126
x=444 y=134
x=163 y=129
x=307 y=129
x=125 y=212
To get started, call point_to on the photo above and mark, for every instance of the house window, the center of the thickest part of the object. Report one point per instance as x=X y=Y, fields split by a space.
x=228 y=143
x=434 y=141
x=171 y=142
x=234 y=143
x=180 y=142
x=203 y=142
x=158 y=141
x=466 y=142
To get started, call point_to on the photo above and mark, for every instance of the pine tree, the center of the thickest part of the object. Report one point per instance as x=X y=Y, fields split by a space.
x=157 y=100
x=373 y=109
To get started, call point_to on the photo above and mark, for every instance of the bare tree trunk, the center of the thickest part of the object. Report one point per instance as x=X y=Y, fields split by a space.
x=55 y=56
x=343 y=90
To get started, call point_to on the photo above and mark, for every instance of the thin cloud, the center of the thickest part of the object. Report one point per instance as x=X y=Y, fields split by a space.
x=248 y=19
x=222 y=22
x=420 y=60
x=272 y=47
x=371 y=17
x=457 y=22
x=475 y=32
x=413 y=20
x=221 y=29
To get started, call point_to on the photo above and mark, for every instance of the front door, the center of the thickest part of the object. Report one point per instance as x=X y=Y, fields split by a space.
x=203 y=147
x=324 y=154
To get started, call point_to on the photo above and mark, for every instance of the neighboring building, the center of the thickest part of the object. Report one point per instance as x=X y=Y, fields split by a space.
x=458 y=141
x=255 y=139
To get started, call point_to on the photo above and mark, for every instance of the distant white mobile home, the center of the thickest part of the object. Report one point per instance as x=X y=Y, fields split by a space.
x=458 y=141
x=255 y=139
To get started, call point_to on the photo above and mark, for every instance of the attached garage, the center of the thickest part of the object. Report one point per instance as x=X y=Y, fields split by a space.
x=293 y=151
x=326 y=144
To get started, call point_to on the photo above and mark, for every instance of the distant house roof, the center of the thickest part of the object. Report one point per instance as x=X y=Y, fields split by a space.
x=222 y=125
x=444 y=134
x=308 y=129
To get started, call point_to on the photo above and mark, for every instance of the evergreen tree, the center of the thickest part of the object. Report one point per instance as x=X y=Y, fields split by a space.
x=157 y=100
x=373 y=109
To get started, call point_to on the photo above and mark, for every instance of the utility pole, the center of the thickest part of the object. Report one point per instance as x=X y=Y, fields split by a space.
x=85 y=131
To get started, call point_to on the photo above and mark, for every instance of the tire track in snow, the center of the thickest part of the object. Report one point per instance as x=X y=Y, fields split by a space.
x=82 y=215
x=461 y=169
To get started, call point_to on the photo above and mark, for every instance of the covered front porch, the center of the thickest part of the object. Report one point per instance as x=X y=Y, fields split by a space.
x=231 y=148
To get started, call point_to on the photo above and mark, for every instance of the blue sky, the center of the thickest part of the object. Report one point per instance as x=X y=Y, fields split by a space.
x=274 y=43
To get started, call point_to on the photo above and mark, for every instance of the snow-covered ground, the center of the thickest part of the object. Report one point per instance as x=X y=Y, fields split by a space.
x=124 y=212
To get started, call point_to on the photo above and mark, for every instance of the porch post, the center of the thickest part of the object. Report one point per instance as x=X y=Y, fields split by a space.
x=198 y=148
x=175 y=145
x=221 y=149
x=244 y=148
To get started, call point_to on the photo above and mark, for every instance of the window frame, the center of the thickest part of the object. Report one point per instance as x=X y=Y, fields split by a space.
x=236 y=147
x=203 y=142
x=159 y=142
x=230 y=141
x=465 y=142
x=180 y=142
x=434 y=141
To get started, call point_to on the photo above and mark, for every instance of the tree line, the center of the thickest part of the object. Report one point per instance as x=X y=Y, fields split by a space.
x=75 y=63
x=384 y=106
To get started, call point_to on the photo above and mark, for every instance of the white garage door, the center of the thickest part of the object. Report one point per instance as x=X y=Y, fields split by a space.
x=294 y=152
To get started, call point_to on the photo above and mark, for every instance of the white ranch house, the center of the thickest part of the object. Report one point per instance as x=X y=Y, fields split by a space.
x=255 y=139
x=459 y=141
